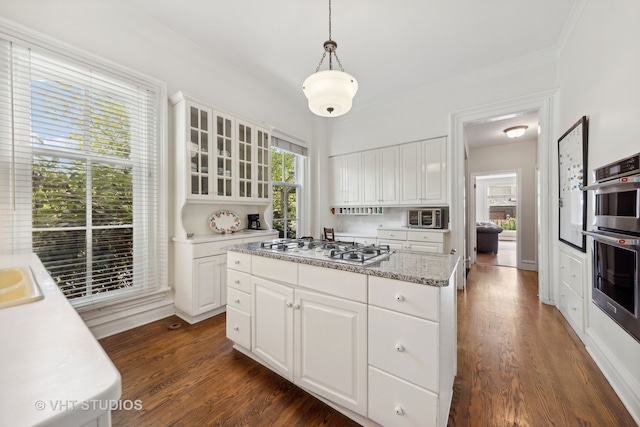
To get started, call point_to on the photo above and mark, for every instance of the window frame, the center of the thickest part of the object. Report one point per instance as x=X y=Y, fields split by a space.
x=299 y=173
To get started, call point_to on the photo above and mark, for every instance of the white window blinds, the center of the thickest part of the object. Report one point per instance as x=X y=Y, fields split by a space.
x=80 y=183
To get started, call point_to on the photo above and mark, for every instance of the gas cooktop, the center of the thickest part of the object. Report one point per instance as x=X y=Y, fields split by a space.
x=345 y=252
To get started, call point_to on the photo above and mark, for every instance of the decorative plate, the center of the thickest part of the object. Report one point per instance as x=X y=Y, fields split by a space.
x=224 y=222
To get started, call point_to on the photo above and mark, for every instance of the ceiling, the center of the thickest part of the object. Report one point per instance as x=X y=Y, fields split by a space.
x=491 y=132
x=390 y=47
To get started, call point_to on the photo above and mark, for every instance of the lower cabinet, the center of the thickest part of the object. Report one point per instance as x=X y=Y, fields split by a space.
x=415 y=240
x=572 y=291
x=317 y=341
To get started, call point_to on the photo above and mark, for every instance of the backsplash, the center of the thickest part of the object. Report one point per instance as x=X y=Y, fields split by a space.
x=195 y=216
x=391 y=217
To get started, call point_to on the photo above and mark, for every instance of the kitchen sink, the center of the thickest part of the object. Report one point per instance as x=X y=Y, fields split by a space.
x=18 y=286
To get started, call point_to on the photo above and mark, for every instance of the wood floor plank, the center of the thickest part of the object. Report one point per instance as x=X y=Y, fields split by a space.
x=519 y=364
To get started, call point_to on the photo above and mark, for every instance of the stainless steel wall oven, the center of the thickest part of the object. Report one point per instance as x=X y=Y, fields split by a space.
x=616 y=242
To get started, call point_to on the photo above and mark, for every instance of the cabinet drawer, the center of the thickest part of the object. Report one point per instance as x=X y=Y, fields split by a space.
x=425 y=236
x=239 y=327
x=275 y=269
x=392 y=234
x=211 y=248
x=394 y=402
x=575 y=276
x=343 y=284
x=239 y=280
x=239 y=300
x=404 y=297
x=404 y=346
x=239 y=261
x=572 y=308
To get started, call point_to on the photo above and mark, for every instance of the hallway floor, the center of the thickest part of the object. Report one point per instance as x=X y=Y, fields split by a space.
x=507 y=255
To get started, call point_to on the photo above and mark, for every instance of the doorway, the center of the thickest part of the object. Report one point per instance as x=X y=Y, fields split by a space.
x=496 y=199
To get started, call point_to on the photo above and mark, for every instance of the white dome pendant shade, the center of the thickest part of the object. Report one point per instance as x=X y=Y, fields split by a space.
x=330 y=93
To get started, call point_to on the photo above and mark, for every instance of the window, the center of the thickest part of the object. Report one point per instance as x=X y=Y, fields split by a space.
x=286 y=180
x=82 y=186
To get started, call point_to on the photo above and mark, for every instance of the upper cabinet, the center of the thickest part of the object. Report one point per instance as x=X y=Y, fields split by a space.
x=345 y=179
x=413 y=174
x=219 y=157
x=423 y=176
x=380 y=176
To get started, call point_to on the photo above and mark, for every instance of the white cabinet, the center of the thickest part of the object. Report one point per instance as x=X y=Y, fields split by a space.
x=415 y=240
x=330 y=348
x=572 y=291
x=272 y=325
x=218 y=157
x=411 y=354
x=423 y=175
x=345 y=179
x=380 y=180
x=315 y=339
x=200 y=275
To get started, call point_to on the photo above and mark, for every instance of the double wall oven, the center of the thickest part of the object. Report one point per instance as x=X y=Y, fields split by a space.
x=616 y=242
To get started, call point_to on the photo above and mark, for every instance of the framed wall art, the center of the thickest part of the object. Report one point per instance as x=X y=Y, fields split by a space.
x=572 y=178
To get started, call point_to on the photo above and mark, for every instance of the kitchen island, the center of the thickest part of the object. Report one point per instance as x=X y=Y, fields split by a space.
x=375 y=341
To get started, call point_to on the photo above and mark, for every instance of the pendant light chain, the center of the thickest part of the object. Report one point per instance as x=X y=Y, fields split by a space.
x=331 y=48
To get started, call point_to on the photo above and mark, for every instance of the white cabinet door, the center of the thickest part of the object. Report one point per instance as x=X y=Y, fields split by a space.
x=370 y=178
x=208 y=283
x=434 y=161
x=225 y=151
x=246 y=140
x=199 y=146
x=388 y=175
x=261 y=166
x=331 y=348
x=337 y=176
x=272 y=325
x=435 y=248
x=410 y=174
x=352 y=169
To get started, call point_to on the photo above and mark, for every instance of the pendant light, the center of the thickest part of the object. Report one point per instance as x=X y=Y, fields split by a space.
x=330 y=93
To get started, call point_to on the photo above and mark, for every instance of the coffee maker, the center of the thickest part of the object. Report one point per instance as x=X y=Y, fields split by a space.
x=254 y=222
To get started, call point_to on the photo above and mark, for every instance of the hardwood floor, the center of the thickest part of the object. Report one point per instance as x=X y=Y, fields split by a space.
x=519 y=364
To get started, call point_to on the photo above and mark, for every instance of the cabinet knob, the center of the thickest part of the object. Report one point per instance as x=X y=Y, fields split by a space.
x=237 y=282
x=399 y=348
x=296 y=306
x=574 y=309
x=236 y=328
x=236 y=262
x=392 y=235
x=399 y=298
x=289 y=304
x=399 y=410
x=237 y=301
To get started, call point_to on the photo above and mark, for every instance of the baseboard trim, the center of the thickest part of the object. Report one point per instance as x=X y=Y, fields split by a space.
x=622 y=382
x=113 y=323
x=200 y=317
x=527 y=265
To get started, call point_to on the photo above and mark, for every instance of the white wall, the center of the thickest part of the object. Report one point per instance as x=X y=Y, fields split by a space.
x=599 y=76
x=515 y=156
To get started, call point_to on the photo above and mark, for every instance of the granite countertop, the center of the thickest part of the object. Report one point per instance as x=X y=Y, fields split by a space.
x=416 y=267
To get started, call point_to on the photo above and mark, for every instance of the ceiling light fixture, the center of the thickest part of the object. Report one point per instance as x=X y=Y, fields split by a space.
x=330 y=93
x=515 y=131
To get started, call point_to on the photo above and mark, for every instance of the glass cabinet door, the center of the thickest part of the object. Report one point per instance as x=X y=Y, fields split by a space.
x=262 y=165
x=199 y=151
x=245 y=149
x=224 y=153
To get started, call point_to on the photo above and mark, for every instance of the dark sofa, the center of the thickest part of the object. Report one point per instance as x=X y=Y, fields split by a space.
x=487 y=237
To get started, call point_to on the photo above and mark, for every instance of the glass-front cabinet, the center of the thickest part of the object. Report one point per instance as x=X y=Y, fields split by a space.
x=225 y=155
x=221 y=157
x=199 y=151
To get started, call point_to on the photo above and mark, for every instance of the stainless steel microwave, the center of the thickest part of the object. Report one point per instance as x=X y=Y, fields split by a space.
x=428 y=218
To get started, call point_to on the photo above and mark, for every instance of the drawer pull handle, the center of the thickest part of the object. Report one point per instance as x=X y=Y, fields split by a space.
x=399 y=348
x=399 y=298
x=237 y=301
x=236 y=328
x=399 y=410
x=289 y=304
x=236 y=262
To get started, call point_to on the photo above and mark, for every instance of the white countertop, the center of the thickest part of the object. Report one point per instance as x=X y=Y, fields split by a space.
x=219 y=237
x=52 y=369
